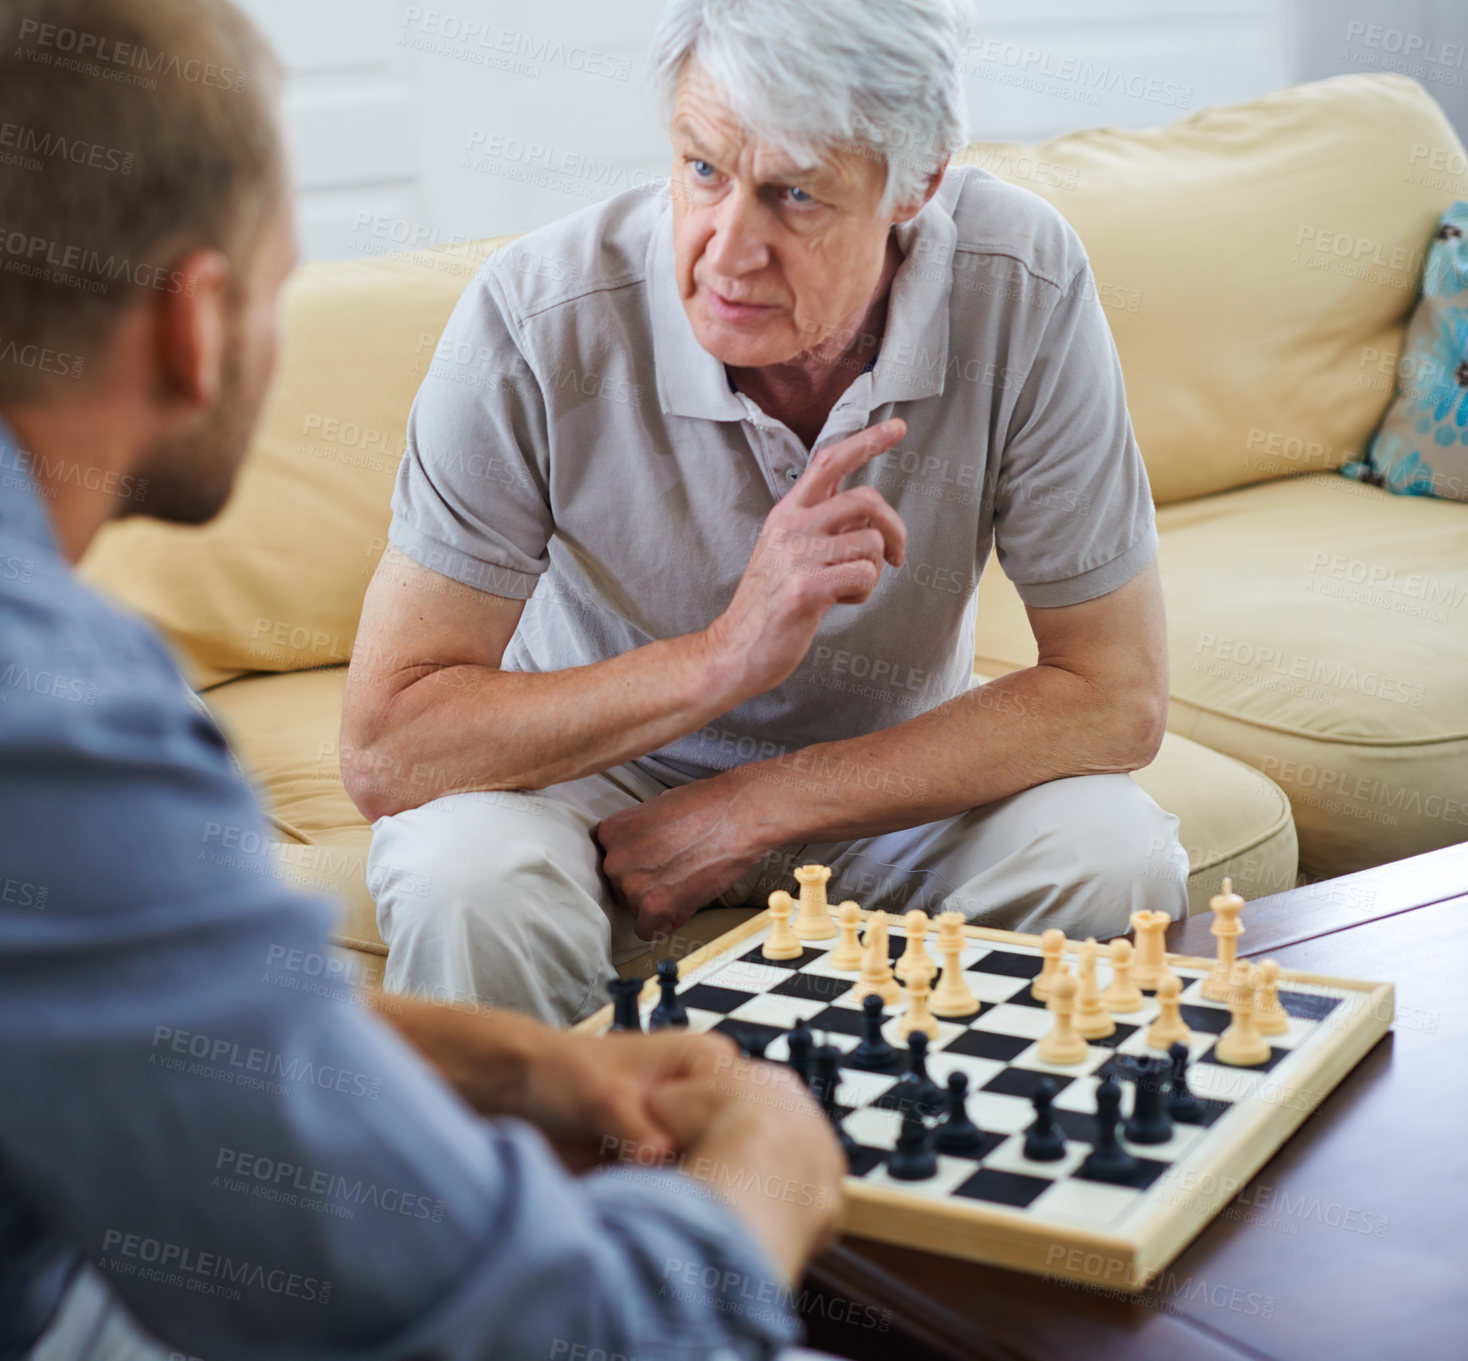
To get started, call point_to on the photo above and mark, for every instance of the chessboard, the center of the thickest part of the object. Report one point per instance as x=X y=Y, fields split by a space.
x=991 y=1203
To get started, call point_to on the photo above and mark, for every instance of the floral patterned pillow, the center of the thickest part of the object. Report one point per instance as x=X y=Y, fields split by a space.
x=1421 y=446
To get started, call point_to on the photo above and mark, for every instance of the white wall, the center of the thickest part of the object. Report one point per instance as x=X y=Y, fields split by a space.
x=453 y=119
x=1424 y=39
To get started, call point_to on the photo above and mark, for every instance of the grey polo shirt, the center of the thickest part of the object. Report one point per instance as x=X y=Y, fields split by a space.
x=573 y=445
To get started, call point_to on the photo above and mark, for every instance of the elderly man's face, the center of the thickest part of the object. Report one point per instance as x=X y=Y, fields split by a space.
x=772 y=257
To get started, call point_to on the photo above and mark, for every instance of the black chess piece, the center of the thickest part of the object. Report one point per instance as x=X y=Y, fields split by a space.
x=1044 y=1140
x=1182 y=1104
x=669 y=1011
x=751 y=1043
x=800 y=1042
x=915 y=1091
x=874 y=1054
x=958 y=1133
x=1149 y=1123
x=914 y=1158
x=1108 y=1161
x=625 y=1014
x=828 y=1079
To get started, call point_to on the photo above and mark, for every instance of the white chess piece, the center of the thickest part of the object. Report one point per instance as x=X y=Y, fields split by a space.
x=876 y=965
x=1150 y=961
x=1242 y=1044
x=1226 y=929
x=847 y=955
x=952 y=996
x=1091 y=1018
x=1121 y=993
x=1062 y=1044
x=814 y=921
x=1269 y=1015
x=782 y=942
x=915 y=959
x=1169 y=1027
x=918 y=1015
x=1052 y=946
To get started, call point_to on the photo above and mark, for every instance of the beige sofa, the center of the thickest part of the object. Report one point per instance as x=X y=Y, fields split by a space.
x=1255 y=363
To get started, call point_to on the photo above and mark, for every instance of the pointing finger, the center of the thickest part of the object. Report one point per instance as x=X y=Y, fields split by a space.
x=835 y=463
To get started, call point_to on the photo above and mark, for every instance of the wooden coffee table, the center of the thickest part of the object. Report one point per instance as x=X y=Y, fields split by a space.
x=1351 y=1242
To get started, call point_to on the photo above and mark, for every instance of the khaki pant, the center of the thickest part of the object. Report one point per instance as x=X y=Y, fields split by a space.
x=499 y=897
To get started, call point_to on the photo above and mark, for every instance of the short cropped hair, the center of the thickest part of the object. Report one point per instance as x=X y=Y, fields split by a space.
x=883 y=77
x=132 y=132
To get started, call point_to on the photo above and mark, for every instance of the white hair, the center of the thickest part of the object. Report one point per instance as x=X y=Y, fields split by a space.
x=882 y=77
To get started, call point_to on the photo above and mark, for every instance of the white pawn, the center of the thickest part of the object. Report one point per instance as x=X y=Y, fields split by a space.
x=918 y=1015
x=876 y=965
x=1169 y=1027
x=1122 y=994
x=915 y=959
x=1052 y=946
x=1092 y=1019
x=1062 y=1044
x=847 y=955
x=952 y=996
x=782 y=942
x=1269 y=1015
x=1242 y=1044
x=814 y=921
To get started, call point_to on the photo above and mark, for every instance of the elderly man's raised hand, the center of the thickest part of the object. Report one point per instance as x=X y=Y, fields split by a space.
x=820 y=546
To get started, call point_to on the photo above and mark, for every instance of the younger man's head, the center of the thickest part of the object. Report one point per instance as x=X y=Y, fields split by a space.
x=145 y=231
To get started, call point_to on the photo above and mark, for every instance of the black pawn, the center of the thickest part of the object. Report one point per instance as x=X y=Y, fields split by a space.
x=828 y=1080
x=958 y=1134
x=873 y=1054
x=1150 y=1123
x=931 y=1100
x=1182 y=1105
x=1108 y=1161
x=625 y=992
x=800 y=1042
x=669 y=1010
x=913 y=1159
x=915 y=1090
x=1044 y=1140
x=752 y=1044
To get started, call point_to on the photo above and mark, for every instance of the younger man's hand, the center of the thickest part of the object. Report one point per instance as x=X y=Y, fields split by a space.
x=592 y=1095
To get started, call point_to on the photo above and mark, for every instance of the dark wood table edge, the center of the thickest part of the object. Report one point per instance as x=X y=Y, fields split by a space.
x=1320 y=909
x=924 y=1329
x=921 y=1328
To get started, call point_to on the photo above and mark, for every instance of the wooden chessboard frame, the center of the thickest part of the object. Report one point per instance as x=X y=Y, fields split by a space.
x=977 y=1233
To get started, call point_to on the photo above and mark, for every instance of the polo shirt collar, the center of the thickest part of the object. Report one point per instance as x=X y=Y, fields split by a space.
x=914 y=351
x=691 y=382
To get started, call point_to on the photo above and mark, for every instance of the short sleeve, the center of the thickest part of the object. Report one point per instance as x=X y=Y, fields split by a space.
x=472 y=497
x=1073 y=515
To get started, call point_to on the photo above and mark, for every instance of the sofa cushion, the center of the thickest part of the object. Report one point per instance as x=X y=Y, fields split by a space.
x=1257 y=263
x=1317 y=630
x=284 y=730
x=276 y=582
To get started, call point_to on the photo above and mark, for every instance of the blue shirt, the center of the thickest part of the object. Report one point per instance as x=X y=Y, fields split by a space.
x=262 y=1168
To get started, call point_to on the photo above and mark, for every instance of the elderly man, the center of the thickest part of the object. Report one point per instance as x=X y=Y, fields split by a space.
x=685 y=544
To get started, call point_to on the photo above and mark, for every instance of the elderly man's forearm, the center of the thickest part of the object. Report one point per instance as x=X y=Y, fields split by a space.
x=463 y=728
x=1040 y=724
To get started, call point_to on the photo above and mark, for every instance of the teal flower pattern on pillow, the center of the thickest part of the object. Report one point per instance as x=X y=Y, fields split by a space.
x=1421 y=446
